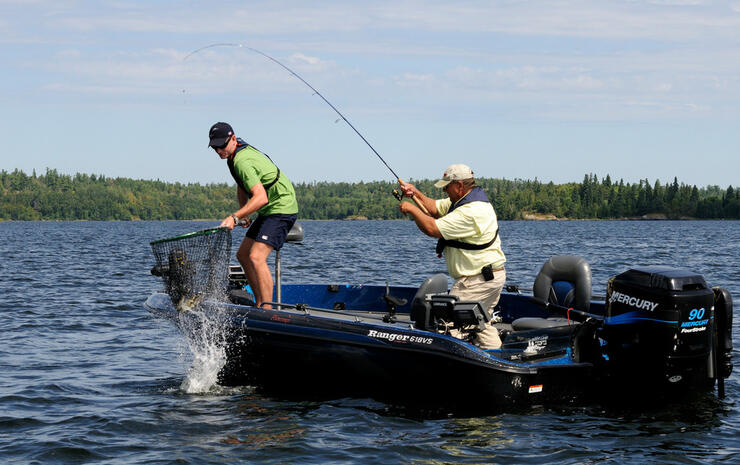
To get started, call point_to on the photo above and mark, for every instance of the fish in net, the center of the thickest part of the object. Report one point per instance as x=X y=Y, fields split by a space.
x=193 y=266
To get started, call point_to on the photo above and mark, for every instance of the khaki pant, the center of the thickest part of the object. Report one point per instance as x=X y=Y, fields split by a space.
x=477 y=289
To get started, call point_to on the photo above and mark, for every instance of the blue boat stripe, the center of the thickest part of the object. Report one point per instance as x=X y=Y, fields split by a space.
x=631 y=317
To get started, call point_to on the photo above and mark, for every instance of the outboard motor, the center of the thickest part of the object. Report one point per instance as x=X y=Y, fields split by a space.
x=723 y=335
x=659 y=326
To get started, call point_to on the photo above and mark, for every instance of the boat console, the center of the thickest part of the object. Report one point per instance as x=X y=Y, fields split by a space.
x=437 y=312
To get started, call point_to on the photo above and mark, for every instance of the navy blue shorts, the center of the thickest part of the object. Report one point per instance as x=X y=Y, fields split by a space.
x=271 y=229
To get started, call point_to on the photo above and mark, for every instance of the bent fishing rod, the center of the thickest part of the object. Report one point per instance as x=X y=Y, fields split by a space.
x=237 y=45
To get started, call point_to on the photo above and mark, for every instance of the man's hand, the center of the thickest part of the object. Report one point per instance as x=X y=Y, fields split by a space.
x=232 y=221
x=229 y=222
x=409 y=190
x=406 y=207
x=426 y=223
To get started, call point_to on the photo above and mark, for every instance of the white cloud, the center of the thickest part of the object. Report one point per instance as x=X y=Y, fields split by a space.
x=668 y=52
x=661 y=20
x=68 y=54
x=306 y=59
x=413 y=79
x=678 y=2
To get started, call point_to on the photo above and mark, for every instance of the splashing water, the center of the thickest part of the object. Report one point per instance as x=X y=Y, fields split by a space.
x=206 y=338
x=205 y=329
x=194 y=268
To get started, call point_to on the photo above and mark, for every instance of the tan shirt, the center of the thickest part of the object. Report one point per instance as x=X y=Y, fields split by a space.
x=474 y=223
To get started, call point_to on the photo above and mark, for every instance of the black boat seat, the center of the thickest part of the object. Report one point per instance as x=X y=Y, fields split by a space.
x=295 y=235
x=435 y=284
x=525 y=323
x=564 y=280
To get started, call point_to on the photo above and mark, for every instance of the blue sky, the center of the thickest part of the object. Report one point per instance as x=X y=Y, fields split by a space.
x=515 y=89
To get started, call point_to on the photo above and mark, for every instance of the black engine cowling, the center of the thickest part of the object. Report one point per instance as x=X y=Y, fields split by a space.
x=659 y=326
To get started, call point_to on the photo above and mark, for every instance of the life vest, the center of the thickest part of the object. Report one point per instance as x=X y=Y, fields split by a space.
x=241 y=145
x=477 y=194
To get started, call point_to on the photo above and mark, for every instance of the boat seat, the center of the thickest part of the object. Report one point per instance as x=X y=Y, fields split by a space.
x=525 y=323
x=435 y=284
x=564 y=280
x=295 y=235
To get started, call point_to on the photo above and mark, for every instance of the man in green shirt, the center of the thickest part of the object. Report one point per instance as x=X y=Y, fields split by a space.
x=467 y=228
x=262 y=188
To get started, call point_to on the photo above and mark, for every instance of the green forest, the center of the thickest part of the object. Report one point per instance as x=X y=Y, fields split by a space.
x=55 y=196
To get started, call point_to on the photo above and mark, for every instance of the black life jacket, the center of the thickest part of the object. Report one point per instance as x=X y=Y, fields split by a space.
x=477 y=194
x=241 y=145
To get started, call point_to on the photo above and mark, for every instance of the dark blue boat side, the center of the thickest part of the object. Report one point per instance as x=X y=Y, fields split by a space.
x=321 y=352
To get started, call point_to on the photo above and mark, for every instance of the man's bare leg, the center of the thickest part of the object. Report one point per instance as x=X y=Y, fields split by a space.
x=253 y=257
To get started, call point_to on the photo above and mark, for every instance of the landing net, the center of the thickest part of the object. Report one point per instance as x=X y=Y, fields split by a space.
x=193 y=265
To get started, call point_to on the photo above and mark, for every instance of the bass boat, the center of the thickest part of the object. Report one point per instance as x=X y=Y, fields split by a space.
x=659 y=331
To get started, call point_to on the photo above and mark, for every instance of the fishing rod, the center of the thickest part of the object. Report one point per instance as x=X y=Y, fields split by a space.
x=237 y=45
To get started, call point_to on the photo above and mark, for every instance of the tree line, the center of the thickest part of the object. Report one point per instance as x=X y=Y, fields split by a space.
x=55 y=196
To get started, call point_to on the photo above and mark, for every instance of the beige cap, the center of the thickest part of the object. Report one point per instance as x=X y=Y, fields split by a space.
x=456 y=172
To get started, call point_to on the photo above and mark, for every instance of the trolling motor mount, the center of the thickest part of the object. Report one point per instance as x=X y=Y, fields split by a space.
x=391 y=303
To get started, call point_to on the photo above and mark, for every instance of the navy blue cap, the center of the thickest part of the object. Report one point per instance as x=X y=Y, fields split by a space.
x=219 y=134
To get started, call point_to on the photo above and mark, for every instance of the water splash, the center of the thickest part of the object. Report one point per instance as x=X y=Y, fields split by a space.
x=205 y=327
x=205 y=334
x=195 y=268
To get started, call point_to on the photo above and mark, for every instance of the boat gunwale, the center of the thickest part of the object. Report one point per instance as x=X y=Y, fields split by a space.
x=483 y=358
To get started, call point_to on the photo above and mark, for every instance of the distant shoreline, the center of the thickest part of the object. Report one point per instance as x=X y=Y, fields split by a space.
x=55 y=196
x=648 y=217
x=525 y=219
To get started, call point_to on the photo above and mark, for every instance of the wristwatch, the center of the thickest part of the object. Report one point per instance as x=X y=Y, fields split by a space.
x=236 y=219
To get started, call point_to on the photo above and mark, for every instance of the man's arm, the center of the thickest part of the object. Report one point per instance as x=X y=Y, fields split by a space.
x=409 y=190
x=256 y=201
x=248 y=206
x=242 y=196
x=426 y=223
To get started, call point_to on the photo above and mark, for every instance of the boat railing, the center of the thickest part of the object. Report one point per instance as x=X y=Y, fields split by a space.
x=357 y=315
x=516 y=289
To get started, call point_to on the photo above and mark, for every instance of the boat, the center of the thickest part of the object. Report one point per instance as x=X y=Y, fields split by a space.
x=658 y=331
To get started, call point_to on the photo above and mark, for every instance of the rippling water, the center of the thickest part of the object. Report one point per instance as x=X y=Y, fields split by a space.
x=89 y=376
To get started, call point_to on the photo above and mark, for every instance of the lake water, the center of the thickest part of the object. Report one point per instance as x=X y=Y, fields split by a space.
x=89 y=376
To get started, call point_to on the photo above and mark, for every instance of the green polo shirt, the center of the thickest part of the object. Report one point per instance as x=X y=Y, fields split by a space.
x=253 y=167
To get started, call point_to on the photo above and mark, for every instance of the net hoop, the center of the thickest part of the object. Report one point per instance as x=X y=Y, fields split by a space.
x=204 y=232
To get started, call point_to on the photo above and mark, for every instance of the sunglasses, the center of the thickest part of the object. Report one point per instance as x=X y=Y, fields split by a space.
x=221 y=147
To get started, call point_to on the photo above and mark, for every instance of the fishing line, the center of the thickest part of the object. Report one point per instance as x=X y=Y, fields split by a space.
x=306 y=83
x=396 y=194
